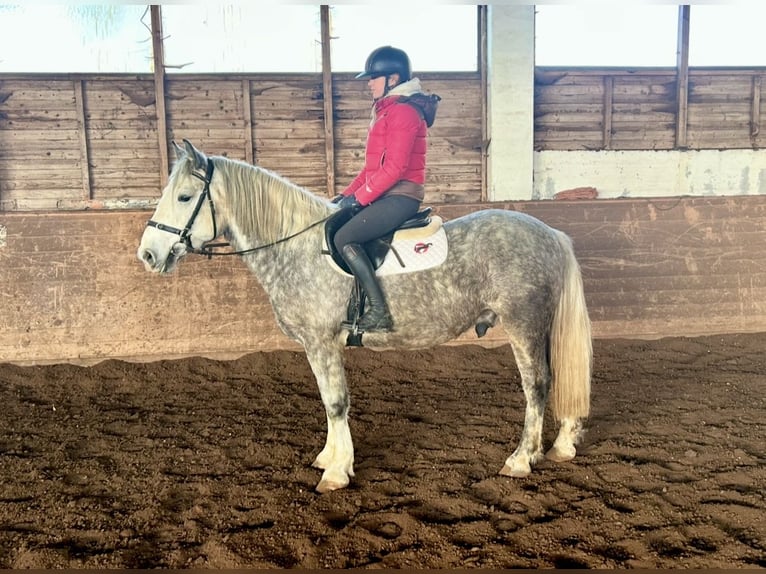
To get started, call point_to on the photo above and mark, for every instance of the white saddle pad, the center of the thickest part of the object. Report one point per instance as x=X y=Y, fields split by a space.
x=414 y=249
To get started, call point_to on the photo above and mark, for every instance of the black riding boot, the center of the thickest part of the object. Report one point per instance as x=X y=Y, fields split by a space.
x=377 y=317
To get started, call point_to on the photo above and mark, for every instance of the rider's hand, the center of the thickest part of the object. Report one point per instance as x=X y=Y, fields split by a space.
x=350 y=202
x=337 y=198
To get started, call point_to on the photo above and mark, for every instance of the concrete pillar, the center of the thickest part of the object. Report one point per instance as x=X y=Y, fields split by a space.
x=511 y=62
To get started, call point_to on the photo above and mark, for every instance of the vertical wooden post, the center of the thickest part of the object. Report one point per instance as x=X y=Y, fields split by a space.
x=248 y=120
x=484 y=82
x=682 y=76
x=755 y=109
x=79 y=102
x=329 y=108
x=608 y=101
x=159 y=92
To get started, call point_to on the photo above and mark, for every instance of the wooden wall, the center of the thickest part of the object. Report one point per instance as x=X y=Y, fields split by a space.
x=88 y=141
x=639 y=109
x=81 y=163
x=74 y=291
x=75 y=142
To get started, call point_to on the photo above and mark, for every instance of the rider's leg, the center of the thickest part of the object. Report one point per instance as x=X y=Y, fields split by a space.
x=377 y=317
x=370 y=223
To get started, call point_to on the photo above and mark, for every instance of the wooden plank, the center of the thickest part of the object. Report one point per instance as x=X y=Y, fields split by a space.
x=647 y=111
x=43 y=189
x=328 y=100
x=591 y=93
x=270 y=131
x=79 y=97
x=145 y=149
x=35 y=117
x=134 y=163
x=248 y=120
x=115 y=99
x=661 y=271
x=755 y=109
x=143 y=136
x=136 y=124
x=158 y=52
x=645 y=143
x=51 y=155
x=36 y=135
x=682 y=73
x=140 y=195
x=64 y=174
x=27 y=204
x=199 y=111
x=211 y=131
x=436 y=195
x=717 y=88
x=681 y=313
x=652 y=133
x=584 y=136
x=483 y=34
x=569 y=108
x=645 y=92
x=711 y=140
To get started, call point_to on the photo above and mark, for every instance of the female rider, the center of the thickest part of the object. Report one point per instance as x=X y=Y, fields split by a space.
x=389 y=189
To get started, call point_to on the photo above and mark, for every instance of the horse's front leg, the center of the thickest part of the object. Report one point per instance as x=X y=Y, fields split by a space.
x=337 y=456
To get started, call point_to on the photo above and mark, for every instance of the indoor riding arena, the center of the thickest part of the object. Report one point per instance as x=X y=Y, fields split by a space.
x=166 y=421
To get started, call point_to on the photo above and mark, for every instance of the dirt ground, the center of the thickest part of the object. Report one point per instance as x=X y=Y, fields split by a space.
x=199 y=463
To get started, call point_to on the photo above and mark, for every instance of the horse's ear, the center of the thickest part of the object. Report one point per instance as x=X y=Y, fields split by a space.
x=200 y=161
x=179 y=150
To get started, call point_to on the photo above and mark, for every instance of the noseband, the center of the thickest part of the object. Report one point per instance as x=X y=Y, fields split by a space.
x=184 y=234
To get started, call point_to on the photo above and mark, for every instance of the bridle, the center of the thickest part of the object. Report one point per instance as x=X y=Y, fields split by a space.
x=184 y=234
x=207 y=250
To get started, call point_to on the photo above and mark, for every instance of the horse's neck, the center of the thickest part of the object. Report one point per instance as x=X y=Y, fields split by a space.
x=271 y=210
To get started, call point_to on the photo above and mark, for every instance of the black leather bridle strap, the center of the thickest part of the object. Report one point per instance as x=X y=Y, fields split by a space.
x=184 y=233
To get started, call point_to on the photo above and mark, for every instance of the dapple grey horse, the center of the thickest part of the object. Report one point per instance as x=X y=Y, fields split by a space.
x=502 y=268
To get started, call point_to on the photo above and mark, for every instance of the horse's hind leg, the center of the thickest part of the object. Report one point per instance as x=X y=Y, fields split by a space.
x=337 y=456
x=563 y=448
x=535 y=380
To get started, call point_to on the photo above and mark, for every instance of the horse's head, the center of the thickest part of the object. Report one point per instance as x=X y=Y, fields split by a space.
x=185 y=216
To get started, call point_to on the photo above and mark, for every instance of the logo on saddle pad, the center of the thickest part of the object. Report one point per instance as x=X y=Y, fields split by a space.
x=410 y=250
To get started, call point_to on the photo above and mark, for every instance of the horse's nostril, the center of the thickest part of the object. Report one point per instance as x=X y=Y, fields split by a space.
x=147 y=256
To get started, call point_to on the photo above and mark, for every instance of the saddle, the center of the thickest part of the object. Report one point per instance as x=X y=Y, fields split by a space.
x=376 y=250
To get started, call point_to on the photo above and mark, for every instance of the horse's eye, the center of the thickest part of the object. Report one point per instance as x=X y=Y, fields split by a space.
x=184 y=198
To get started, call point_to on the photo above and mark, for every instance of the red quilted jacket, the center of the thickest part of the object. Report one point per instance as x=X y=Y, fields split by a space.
x=396 y=150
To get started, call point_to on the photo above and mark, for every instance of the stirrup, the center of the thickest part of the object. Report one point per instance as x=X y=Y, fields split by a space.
x=357 y=328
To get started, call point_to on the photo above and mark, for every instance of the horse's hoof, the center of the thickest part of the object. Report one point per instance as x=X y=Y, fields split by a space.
x=326 y=486
x=515 y=472
x=560 y=455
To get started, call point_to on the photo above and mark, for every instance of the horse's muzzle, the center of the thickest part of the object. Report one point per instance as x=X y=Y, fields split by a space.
x=158 y=265
x=148 y=258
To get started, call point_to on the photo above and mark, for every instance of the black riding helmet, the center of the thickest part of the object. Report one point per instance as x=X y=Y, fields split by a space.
x=385 y=61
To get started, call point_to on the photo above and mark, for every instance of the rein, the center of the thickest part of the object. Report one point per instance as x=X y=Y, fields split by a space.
x=207 y=250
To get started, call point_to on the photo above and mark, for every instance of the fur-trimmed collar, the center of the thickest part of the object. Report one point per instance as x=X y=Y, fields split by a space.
x=406 y=88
